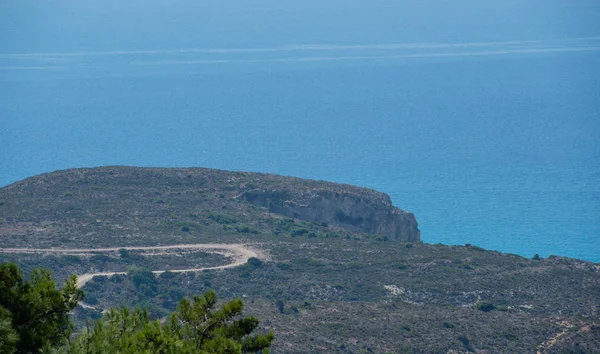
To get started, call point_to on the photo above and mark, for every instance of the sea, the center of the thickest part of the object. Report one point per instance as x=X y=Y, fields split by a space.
x=482 y=118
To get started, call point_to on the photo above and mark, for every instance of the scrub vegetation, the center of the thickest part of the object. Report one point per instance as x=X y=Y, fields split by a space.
x=320 y=287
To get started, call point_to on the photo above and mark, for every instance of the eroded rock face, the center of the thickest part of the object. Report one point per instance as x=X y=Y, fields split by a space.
x=372 y=213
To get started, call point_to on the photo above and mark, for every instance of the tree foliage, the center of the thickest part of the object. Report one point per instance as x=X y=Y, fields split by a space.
x=195 y=327
x=34 y=317
x=8 y=336
x=34 y=314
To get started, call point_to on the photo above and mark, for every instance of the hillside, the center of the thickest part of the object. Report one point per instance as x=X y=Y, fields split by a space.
x=121 y=206
x=339 y=268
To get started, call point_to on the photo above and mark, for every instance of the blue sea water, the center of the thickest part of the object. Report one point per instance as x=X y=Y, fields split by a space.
x=482 y=119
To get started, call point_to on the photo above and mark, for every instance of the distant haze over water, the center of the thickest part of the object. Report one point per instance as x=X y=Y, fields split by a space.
x=482 y=119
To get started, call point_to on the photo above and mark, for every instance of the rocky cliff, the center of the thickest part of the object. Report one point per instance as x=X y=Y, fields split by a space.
x=371 y=212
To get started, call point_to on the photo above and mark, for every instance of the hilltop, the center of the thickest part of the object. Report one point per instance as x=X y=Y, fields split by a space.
x=338 y=268
x=112 y=206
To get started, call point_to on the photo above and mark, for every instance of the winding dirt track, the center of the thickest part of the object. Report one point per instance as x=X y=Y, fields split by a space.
x=240 y=253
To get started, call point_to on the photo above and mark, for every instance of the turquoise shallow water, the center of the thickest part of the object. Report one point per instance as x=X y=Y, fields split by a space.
x=489 y=137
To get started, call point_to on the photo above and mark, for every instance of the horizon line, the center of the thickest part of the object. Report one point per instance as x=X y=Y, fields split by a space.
x=298 y=48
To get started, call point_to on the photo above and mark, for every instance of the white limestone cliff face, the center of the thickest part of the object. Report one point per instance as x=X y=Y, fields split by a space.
x=370 y=212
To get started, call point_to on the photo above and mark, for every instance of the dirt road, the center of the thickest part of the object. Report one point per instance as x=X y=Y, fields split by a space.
x=239 y=252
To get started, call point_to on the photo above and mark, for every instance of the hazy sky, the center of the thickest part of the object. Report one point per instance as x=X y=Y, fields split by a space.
x=91 y=25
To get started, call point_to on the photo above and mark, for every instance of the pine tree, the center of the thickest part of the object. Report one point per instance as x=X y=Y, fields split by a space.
x=8 y=336
x=195 y=327
x=34 y=317
x=37 y=311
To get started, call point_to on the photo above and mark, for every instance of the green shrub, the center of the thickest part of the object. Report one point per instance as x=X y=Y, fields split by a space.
x=246 y=230
x=117 y=278
x=222 y=218
x=167 y=275
x=299 y=232
x=255 y=262
x=99 y=258
x=141 y=276
x=485 y=306
x=284 y=266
